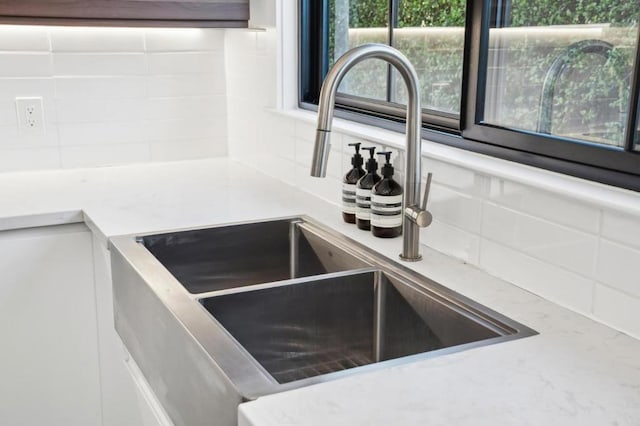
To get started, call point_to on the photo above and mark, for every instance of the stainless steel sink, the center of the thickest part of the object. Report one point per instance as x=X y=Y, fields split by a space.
x=221 y=315
x=204 y=260
x=320 y=326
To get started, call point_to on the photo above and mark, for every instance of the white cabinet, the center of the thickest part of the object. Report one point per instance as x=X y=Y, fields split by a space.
x=61 y=360
x=49 y=352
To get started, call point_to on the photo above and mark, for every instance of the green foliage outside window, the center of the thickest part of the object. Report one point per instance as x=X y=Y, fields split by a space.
x=451 y=13
x=592 y=95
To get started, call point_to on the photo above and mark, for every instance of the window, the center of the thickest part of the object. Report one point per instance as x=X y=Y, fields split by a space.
x=548 y=83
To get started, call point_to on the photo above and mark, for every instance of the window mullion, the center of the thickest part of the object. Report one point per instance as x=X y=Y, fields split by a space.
x=393 y=22
x=473 y=67
x=633 y=116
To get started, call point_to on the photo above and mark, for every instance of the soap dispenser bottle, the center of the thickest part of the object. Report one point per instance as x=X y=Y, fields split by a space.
x=363 y=191
x=349 y=183
x=386 y=203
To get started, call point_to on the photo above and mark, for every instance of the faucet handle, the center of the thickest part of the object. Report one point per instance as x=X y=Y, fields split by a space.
x=427 y=190
x=420 y=215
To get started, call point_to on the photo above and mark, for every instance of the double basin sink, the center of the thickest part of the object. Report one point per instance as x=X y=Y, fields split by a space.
x=221 y=315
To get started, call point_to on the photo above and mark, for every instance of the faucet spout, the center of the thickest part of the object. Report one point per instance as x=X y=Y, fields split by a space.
x=411 y=200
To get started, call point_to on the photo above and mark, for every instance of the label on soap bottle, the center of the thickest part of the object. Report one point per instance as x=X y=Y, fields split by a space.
x=386 y=211
x=349 y=198
x=363 y=203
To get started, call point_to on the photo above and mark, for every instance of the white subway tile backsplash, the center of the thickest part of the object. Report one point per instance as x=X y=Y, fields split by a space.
x=24 y=38
x=307 y=131
x=280 y=168
x=204 y=107
x=241 y=83
x=8 y=115
x=265 y=39
x=8 y=135
x=304 y=154
x=100 y=87
x=542 y=204
x=621 y=227
x=104 y=64
x=285 y=147
x=72 y=110
x=11 y=88
x=25 y=65
x=104 y=155
x=336 y=167
x=244 y=138
x=617 y=309
x=102 y=133
x=239 y=148
x=11 y=137
x=267 y=93
x=449 y=175
x=542 y=278
x=240 y=43
x=345 y=161
x=616 y=264
x=114 y=95
x=455 y=208
x=184 y=39
x=186 y=85
x=187 y=149
x=452 y=241
x=186 y=62
x=539 y=238
x=29 y=158
x=191 y=128
x=328 y=188
x=96 y=39
x=277 y=126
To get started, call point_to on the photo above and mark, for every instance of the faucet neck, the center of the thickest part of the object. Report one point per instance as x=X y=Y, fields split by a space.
x=414 y=124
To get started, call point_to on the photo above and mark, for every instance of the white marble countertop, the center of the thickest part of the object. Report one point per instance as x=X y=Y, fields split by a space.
x=575 y=372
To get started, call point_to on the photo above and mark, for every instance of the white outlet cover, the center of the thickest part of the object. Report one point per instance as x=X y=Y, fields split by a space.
x=30 y=111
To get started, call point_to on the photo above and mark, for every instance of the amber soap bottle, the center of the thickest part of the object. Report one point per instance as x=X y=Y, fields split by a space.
x=386 y=203
x=349 y=183
x=363 y=191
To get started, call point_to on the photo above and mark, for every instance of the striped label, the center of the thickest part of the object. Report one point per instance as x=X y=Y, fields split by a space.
x=386 y=211
x=363 y=203
x=349 y=198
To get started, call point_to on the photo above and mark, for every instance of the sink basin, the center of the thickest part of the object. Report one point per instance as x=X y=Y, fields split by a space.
x=204 y=260
x=315 y=327
x=221 y=315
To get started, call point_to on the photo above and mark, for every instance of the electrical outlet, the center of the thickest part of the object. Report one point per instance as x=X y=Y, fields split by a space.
x=30 y=115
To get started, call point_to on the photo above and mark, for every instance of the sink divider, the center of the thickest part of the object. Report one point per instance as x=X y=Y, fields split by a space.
x=294 y=241
x=293 y=281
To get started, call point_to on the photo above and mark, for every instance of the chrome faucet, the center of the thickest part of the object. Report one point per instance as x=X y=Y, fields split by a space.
x=415 y=216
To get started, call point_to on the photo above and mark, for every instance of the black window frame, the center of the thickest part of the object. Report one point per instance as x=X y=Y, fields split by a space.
x=612 y=166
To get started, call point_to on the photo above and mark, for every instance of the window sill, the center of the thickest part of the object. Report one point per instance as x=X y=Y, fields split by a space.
x=568 y=186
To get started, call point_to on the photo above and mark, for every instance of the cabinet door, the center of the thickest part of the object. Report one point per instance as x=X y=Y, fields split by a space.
x=49 y=357
x=206 y=13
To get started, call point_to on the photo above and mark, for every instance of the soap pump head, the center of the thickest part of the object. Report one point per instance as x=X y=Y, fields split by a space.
x=356 y=160
x=372 y=164
x=387 y=168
